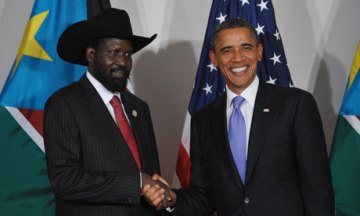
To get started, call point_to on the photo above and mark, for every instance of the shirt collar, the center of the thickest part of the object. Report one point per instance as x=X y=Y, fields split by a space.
x=249 y=93
x=104 y=93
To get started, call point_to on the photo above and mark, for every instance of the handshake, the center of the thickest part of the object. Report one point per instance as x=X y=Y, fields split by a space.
x=157 y=192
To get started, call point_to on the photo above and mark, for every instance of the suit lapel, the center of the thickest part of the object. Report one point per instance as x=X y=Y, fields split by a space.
x=219 y=129
x=102 y=115
x=137 y=121
x=264 y=111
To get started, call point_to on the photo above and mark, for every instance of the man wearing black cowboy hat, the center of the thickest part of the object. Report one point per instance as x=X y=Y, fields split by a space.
x=99 y=139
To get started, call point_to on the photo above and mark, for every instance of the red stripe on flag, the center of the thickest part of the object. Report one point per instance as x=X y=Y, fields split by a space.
x=35 y=117
x=183 y=167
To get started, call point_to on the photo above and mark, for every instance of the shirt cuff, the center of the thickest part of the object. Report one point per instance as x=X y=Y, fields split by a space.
x=170 y=209
x=140 y=180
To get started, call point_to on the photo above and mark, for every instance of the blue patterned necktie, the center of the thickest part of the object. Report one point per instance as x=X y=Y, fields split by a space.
x=237 y=137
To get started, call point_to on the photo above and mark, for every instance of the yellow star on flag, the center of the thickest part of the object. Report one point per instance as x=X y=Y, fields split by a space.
x=355 y=67
x=29 y=46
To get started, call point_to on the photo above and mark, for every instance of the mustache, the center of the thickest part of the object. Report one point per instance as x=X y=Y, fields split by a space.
x=121 y=69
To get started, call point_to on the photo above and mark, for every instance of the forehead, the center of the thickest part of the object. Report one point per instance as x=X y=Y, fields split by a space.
x=115 y=43
x=238 y=34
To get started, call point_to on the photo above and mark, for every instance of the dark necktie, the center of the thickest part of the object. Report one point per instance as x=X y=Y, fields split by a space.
x=125 y=129
x=237 y=137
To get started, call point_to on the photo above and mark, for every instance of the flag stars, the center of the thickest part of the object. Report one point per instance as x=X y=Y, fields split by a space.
x=212 y=67
x=207 y=89
x=276 y=58
x=262 y=5
x=277 y=35
x=260 y=29
x=245 y=2
x=271 y=80
x=221 y=18
x=29 y=45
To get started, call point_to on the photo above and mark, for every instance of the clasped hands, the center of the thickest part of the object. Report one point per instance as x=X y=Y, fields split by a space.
x=157 y=192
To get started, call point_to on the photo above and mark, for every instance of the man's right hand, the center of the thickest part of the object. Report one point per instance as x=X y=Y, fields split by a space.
x=157 y=192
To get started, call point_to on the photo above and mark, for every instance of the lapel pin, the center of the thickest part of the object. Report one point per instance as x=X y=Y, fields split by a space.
x=266 y=110
x=134 y=113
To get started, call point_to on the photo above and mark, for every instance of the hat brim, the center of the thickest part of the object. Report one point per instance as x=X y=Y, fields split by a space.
x=74 y=40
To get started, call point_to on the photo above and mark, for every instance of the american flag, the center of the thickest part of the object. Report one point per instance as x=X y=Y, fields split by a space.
x=209 y=82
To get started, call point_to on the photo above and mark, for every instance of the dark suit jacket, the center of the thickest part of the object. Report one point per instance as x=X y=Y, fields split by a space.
x=287 y=165
x=91 y=169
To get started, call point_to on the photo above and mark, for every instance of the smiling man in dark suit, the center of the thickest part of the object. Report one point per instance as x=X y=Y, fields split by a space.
x=258 y=149
x=99 y=138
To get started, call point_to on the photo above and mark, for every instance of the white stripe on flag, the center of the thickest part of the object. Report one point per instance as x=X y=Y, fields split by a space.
x=185 y=138
x=27 y=126
x=185 y=142
x=354 y=122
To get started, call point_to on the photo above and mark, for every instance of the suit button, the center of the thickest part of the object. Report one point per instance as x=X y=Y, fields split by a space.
x=246 y=200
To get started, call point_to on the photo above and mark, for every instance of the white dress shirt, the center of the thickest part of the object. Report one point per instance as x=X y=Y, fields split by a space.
x=105 y=95
x=247 y=108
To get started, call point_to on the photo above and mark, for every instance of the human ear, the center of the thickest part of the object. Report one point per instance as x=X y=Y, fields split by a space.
x=90 y=53
x=260 y=51
x=213 y=59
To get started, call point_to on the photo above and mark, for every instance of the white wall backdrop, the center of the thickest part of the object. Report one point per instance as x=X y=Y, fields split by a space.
x=320 y=38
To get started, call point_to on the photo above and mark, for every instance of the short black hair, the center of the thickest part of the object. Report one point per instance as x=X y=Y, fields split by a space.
x=229 y=24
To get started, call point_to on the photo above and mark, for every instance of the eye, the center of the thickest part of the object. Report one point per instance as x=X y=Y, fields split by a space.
x=226 y=51
x=118 y=53
x=127 y=54
x=247 y=47
x=115 y=53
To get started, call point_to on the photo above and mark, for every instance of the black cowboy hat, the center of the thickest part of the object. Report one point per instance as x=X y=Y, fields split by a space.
x=112 y=23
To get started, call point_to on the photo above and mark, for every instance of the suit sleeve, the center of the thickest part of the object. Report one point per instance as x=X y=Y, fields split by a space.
x=312 y=159
x=69 y=180
x=195 y=201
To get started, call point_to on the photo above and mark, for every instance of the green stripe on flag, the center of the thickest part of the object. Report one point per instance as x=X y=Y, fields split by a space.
x=345 y=167
x=24 y=184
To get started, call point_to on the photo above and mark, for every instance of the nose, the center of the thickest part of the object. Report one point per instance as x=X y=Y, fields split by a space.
x=123 y=60
x=237 y=56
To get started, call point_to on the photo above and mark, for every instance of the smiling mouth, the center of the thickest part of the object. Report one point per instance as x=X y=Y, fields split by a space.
x=239 y=69
x=118 y=74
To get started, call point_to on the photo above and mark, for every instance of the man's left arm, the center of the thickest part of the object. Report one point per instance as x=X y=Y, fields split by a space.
x=312 y=158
